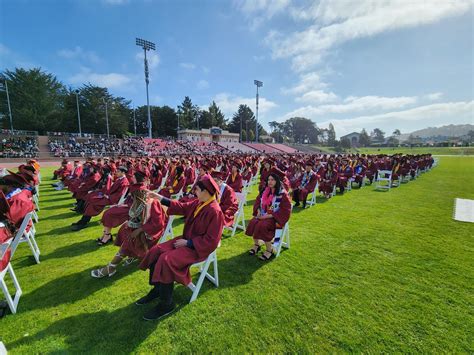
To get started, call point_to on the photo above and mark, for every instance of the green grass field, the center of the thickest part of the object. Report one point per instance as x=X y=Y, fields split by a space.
x=367 y=272
x=406 y=150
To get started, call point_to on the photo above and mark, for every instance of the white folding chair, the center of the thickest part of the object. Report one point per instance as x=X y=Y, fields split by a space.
x=281 y=239
x=204 y=273
x=36 y=201
x=383 y=180
x=349 y=184
x=7 y=250
x=312 y=200
x=239 y=217
x=396 y=182
x=168 y=233
x=28 y=236
x=5 y=257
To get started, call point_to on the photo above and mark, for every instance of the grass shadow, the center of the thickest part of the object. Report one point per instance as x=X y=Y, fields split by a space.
x=69 y=288
x=71 y=250
x=90 y=332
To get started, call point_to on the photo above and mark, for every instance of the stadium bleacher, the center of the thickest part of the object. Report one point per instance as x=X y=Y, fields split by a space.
x=237 y=147
x=283 y=148
x=263 y=148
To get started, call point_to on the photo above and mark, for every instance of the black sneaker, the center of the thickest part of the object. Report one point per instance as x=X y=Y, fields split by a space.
x=159 y=312
x=150 y=296
x=78 y=227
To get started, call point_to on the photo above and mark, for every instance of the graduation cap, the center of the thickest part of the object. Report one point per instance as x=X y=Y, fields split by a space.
x=4 y=205
x=209 y=184
x=277 y=172
x=15 y=178
x=217 y=175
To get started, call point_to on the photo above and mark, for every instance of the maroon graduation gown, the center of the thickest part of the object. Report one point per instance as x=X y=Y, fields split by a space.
x=264 y=229
x=205 y=231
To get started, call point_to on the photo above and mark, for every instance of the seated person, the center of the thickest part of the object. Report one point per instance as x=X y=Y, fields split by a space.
x=271 y=210
x=146 y=224
x=169 y=262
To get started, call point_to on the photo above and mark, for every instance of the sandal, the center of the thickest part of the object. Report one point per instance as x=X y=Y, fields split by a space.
x=98 y=274
x=100 y=242
x=254 y=250
x=129 y=261
x=266 y=258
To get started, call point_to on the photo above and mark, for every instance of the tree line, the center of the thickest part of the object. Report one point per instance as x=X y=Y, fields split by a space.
x=40 y=102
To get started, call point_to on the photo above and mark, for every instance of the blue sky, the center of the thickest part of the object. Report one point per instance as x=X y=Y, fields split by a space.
x=358 y=64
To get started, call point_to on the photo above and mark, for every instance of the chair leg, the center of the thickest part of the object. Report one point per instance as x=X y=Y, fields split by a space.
x=12 y=302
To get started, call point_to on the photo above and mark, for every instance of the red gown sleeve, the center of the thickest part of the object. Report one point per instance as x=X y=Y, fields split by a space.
x=256 y=205
x=182 y=208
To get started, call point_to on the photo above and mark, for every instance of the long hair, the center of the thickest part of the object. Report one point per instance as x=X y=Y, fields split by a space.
x=277 y=185
x=139 y=200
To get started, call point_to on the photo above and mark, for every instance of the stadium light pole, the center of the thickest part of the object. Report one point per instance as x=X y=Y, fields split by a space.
x=134 y=122
x=9 y=107
x=147 y=46
x=106 y=115
x=78 y=113
x=259 y=84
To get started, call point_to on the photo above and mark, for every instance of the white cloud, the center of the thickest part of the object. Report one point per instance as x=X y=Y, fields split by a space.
x=336 y=22
x=308 y=82
x=189 y=66
x=317 y=96
x=202 y=84
x=152 y=57
x=354 y=104
x=408 y=120
x=108 y=80
x=230 y=103
x=206 y=70
x=434 y=96
x=78 y=53
x=259 y=11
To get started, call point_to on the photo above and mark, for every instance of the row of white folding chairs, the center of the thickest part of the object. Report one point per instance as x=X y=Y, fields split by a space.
x=281 y=240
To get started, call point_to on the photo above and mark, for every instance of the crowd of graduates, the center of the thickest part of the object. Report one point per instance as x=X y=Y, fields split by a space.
x=139 y=195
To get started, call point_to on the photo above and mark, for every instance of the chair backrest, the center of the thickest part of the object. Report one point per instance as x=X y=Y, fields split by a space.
x=20 y=232
x=242 y=197
x=384 y=175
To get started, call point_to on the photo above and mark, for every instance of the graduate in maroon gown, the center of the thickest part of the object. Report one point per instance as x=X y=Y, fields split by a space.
x=90 y=181
x=146 y=223
x=118 y=214
x=345 y=174
x=176 y=183
x=234 y=179
x=328 y=180
x=96 y=201
x=307 y=184
x=227 y=200
x=272 y=209
x=169 y=262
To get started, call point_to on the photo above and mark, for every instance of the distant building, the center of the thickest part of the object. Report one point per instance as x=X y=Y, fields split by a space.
x=353 y=138
x=267 y=139
x=214 y=134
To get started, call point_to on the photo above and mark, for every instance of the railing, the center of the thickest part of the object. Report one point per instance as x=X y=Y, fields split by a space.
x=77 y=135
x=18 y=155
x=18 y=132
